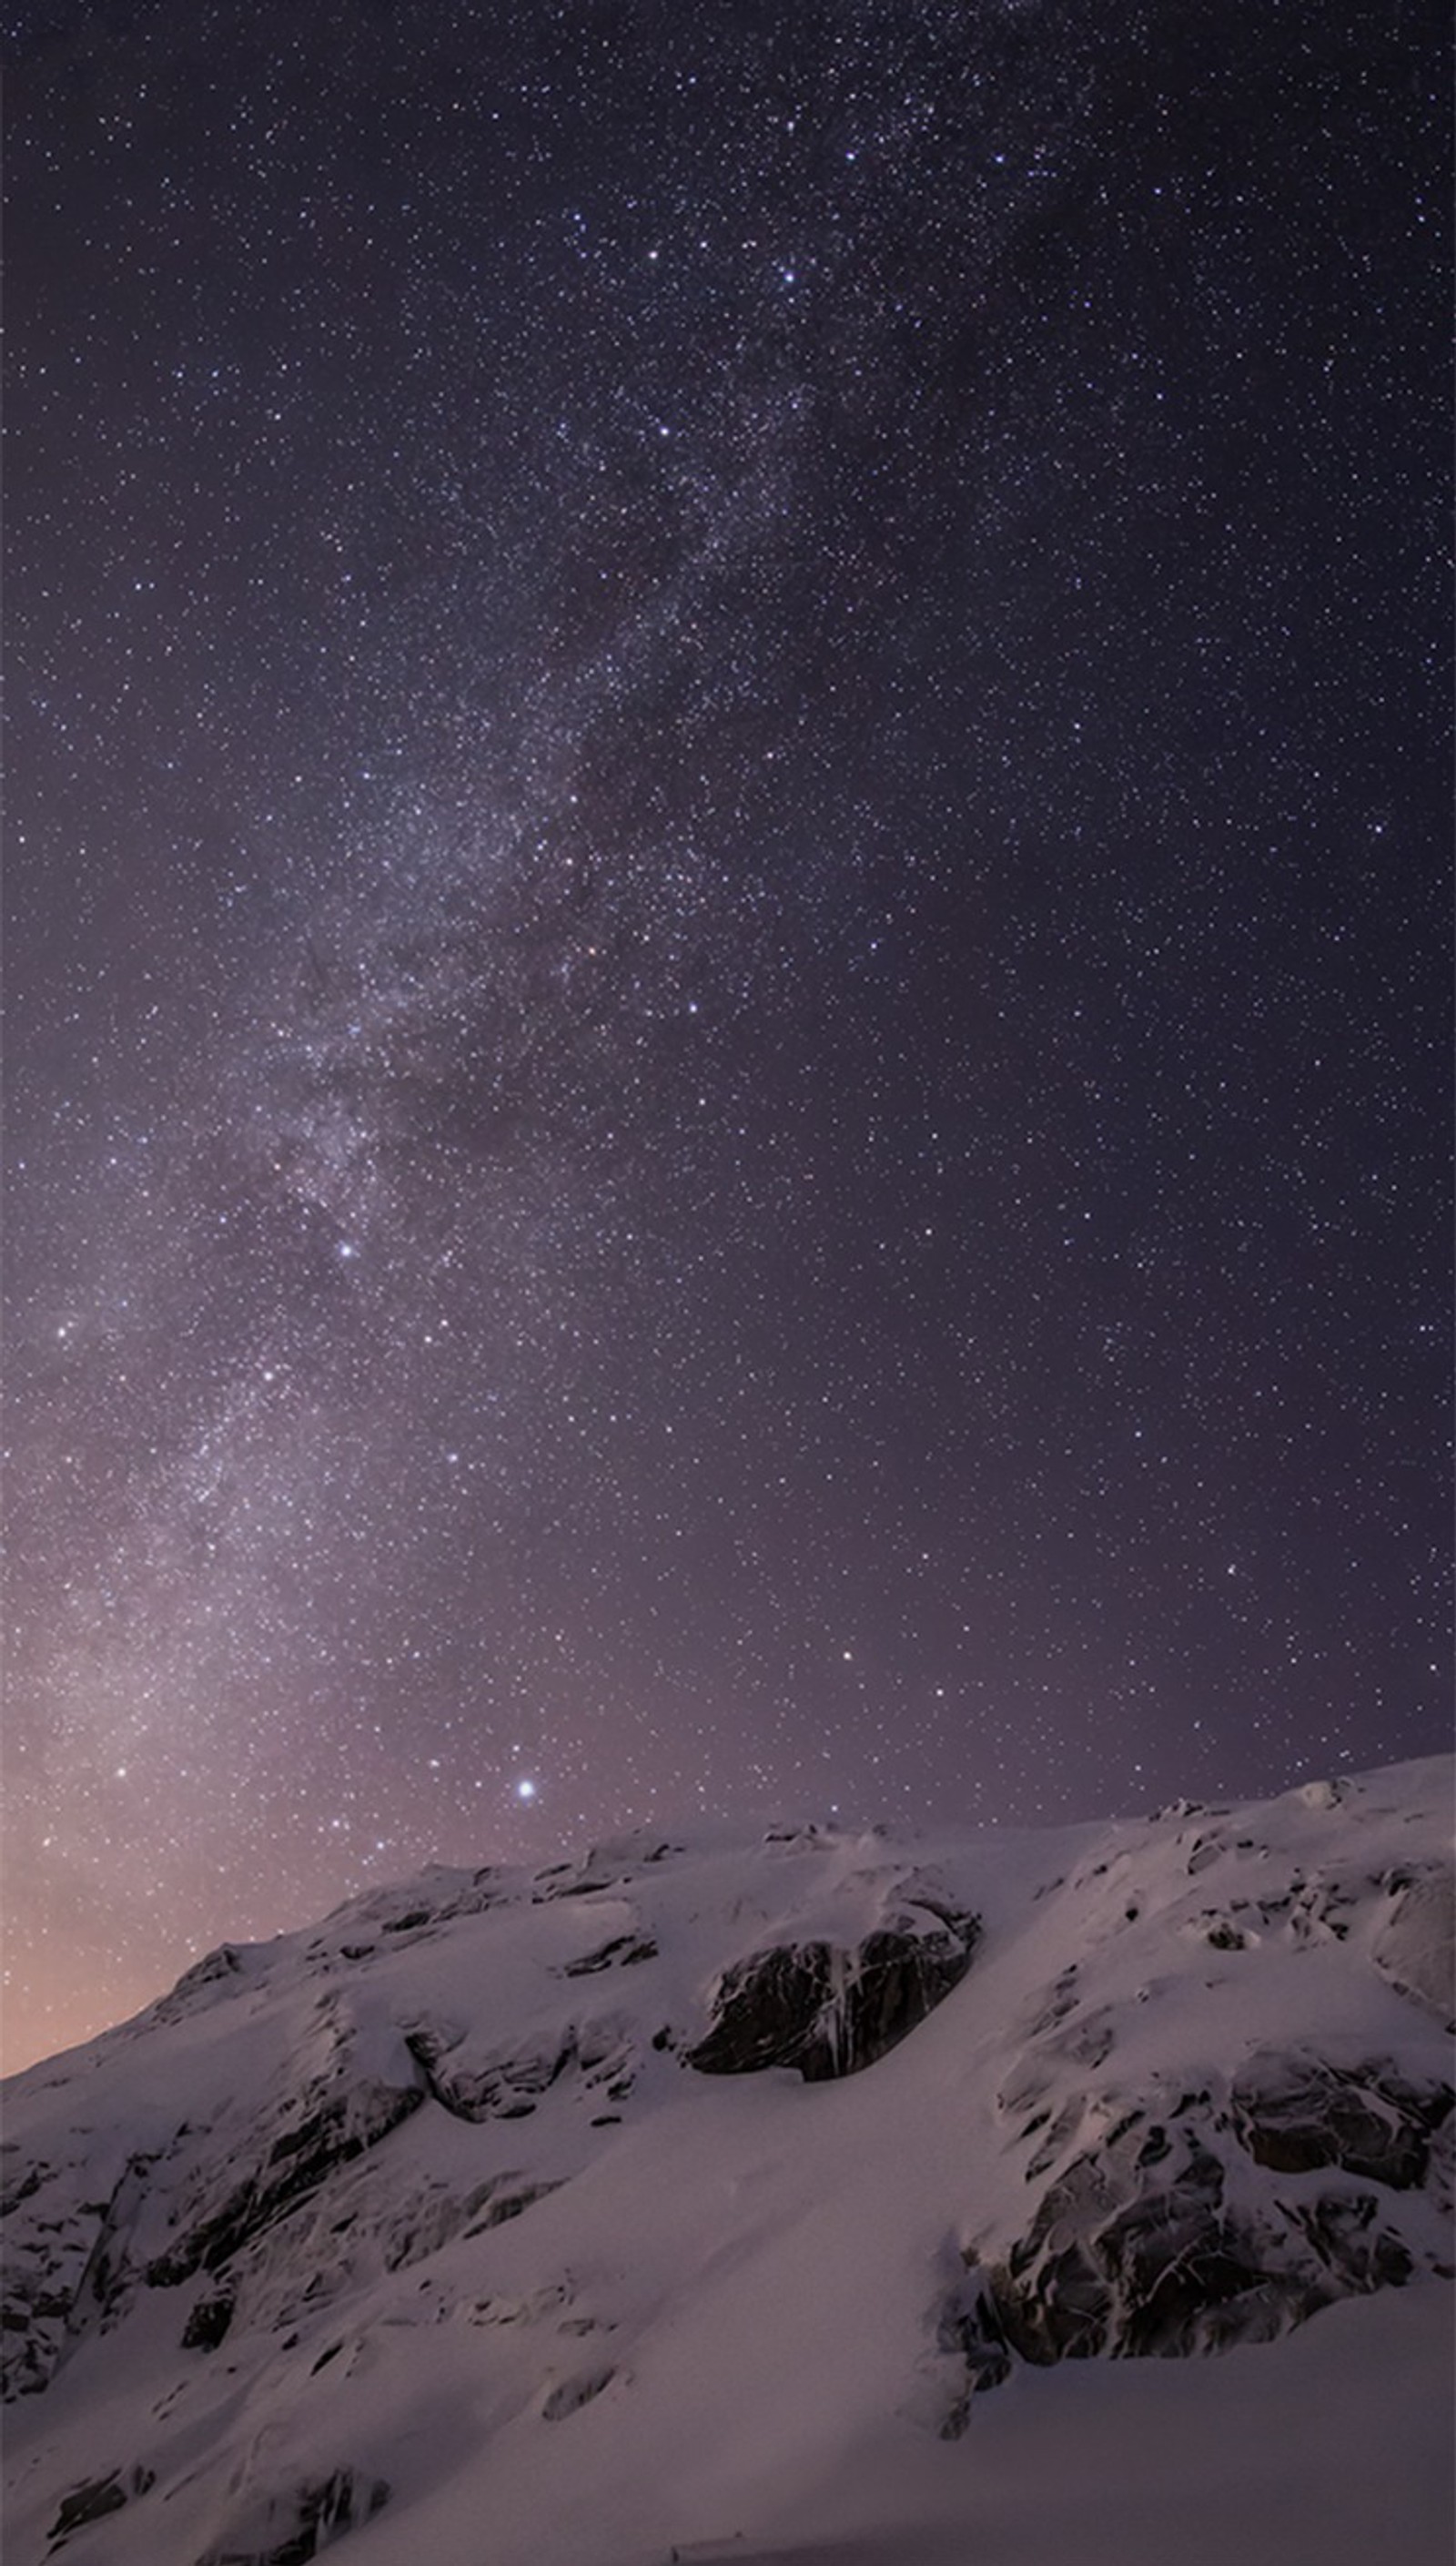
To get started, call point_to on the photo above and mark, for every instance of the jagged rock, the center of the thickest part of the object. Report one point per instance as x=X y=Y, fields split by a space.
x=1344 y=2234
x=967 y=2328
x=508 y=2199
x=26 y=2181
x=222 y=1969
x=100 y=2495
x=829 y=2012
x=33 y=2326
x=224 y=1962
x=208 y=2323
x=289 y=2528
x=1295 y=2115
x=328 y=2131
x=1123 y=2262
x=621 y=1953
x=566 y=2396
x=67 y=2271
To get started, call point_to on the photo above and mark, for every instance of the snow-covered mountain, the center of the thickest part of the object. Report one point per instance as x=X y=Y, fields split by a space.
x=817 y=2198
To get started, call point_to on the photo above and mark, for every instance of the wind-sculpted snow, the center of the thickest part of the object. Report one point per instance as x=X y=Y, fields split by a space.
x=576 y=2215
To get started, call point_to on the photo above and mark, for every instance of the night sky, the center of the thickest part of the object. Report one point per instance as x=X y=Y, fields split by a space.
x=727 y=954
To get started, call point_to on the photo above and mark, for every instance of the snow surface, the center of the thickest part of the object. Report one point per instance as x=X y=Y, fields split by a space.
x=577 y=2304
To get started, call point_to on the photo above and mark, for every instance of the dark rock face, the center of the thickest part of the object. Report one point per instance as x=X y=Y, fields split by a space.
x=624 y=1952
x=829 y=2012
x=306 y=2520
x=766 y=2012
x=326 y=2132
x=1170 y=2270
x=94 y=2500
x=32 y=2325
x=1148 y=2246
x=215 y=1969
x=1295 y=2115
x=208 y=2323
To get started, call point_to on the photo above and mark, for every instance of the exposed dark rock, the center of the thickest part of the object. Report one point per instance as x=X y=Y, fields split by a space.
x=1359 y=2254
x=621 y=1953
x=224 y=1962
x=569 y=2395
x=766 y=2012
x=829 y=2012
x=581 y=1884
x=330 y=2132
x=1296 y=2113
x=432 y=2216
x=34 y=2337
x=307 y=2519
x=89 y=2503
x=100 y=2495
x=105 y=2280
x=223 y=1968
x=509 y=2203
x=1058 y=2133
x=208 y=2323
x=968 y=2327
x=25 y=2184
x=1123 y=2263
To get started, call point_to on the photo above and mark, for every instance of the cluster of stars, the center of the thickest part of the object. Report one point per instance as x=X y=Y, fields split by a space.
x=725 y=820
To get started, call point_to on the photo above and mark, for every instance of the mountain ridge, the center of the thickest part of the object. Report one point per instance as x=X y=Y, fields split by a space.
x=448 y=2225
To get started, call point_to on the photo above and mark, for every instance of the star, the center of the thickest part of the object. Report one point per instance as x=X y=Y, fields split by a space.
x=838 y=1013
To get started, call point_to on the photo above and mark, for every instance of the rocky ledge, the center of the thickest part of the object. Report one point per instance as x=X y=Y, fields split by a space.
x=828 y=2011
x=1211 y=2222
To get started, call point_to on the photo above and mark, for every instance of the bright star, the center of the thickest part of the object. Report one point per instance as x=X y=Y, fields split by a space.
x=526 y=1788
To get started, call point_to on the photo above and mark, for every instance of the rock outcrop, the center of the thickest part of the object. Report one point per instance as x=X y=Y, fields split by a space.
x=293 y=2525
x=828 y=2011
x=1161 y=2241
x=1296 y=2113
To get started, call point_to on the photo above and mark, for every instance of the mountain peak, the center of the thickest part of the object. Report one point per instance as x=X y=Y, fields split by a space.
x=615 y=2204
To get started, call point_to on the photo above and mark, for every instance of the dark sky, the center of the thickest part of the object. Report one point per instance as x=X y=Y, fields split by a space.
x=727 y=930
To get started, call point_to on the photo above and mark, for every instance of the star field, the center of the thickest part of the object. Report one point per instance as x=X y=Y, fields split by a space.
x=727 y=919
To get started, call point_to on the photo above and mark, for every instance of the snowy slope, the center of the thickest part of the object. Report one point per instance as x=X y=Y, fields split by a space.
x=814 y=2198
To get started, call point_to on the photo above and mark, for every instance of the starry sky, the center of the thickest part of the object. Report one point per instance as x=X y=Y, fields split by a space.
x=728 y=1008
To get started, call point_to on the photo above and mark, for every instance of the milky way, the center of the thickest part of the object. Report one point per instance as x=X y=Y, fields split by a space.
x=727 y=1007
